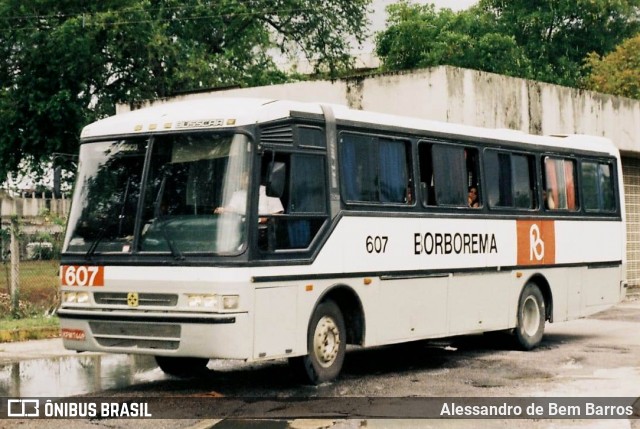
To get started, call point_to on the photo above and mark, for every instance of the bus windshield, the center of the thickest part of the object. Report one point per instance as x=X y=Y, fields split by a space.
x=189 y=177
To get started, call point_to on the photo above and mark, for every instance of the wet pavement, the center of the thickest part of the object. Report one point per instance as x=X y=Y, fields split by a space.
x=63 y=374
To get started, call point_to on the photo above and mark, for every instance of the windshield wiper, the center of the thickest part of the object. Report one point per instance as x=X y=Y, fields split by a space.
x=177 y=255
x=158 y=202
x=121 y=216
x=157 y=213
x=95 y=243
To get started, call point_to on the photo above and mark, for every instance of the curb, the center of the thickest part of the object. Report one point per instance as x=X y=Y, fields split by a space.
x=13 y=335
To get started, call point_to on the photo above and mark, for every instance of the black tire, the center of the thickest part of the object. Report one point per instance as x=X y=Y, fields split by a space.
x=531 y=317
x=181 y=366
x=326 y=345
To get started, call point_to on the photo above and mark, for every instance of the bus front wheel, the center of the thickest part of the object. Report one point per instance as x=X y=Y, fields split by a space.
x=181 y=366
x=326 y=345
x=531 y=317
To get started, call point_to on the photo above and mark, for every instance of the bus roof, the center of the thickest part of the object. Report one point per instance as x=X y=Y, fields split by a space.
x=219 y=112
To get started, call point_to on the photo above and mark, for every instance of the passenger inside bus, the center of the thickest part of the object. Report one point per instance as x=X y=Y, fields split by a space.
x=472 y=199
x=266 y=205
x=547 y=197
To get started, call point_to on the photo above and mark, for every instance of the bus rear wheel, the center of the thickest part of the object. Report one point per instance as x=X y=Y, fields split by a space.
x=531 y=317
x=326 y=345
x=181 y=366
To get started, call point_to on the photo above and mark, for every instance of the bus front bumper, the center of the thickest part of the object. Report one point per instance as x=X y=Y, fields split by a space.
x=188 y=334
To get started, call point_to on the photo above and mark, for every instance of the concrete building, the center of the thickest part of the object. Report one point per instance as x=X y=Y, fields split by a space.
x=487 y=100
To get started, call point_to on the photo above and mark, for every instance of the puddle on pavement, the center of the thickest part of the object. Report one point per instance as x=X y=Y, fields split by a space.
x=75 y=375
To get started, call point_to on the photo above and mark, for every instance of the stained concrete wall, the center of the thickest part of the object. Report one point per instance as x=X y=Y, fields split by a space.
x=469 y=97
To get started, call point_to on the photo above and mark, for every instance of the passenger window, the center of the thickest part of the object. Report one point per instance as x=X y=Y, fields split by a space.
x=375 y=169
x=559 y=191
x=523 y=181
x=597 y=187
x=302 y=205
x=607 y=187
x=590 y=192
x=449 y=175
x=510 y=180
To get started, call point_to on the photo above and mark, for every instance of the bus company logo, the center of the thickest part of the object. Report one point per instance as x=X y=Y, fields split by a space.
x=23 y=408
x=536 y=242
x=133 y=300
x=203 y=123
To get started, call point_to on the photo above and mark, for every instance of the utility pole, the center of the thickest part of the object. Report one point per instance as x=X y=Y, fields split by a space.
x=15 y=268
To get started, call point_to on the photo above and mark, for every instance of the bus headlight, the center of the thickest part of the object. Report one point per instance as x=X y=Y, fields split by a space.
x=75 y=297
x=210 y=301
x=215 y=302
x=194 y=300
x=82 y=297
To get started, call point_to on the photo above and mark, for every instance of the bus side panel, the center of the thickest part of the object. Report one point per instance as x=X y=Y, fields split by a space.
x=406 y=309
x=480 y=302
x=601 y=289
x=588 y=242
x=275 y=321
x=572 y=306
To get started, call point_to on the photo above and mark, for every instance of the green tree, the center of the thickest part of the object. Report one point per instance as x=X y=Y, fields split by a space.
x=67 y=63
x=618 y=72
x=546 y=40
x=557 y=35
x=421 y=36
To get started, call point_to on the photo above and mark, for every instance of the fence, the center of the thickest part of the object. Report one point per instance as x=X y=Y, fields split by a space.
x=30 y=254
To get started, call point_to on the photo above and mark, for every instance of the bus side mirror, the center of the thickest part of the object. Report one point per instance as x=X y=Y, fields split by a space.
x=276 y=180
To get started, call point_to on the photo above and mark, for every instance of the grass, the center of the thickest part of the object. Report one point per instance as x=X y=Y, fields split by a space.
x=38 y=294
x=35 y=322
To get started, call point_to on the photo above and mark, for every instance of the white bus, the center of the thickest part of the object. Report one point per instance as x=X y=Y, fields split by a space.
x=260 y=229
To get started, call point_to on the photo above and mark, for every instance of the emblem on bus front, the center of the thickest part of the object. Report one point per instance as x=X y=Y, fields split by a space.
x=132 y=299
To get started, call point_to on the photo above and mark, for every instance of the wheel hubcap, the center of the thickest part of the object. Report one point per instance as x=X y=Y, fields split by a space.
x=326 y=341
x=530 y=316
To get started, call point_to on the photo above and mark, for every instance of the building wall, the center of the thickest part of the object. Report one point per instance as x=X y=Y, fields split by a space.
x=33 y=207
x=488 y=100
x=631 y=177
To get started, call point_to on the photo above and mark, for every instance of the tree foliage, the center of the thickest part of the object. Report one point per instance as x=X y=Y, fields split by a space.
x=420 y=36
x=618 y=72
x=546 y=40
x=66 y=63
x=557 y=35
